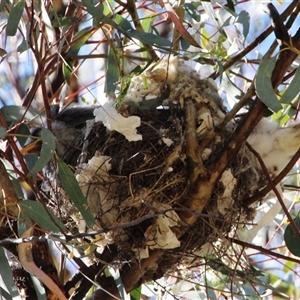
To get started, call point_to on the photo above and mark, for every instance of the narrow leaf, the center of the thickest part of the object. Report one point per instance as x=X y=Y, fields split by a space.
x=64 y=21
x=136 y=293
x=42 y=216
x=6 y=275
x=263 y=85
x=2 y=4
x=112 y=72
x=123 y=23
x=95 y=11
x=293 y=89
x=80 y=39
x=149 y=38
x=48 y=147
x=14 y=18
x=73 y=189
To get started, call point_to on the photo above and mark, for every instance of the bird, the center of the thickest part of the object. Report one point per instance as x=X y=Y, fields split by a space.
x=275 y=145
x=67 y=125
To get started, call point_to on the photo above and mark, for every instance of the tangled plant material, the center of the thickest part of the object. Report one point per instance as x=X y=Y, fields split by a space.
x=164 y=172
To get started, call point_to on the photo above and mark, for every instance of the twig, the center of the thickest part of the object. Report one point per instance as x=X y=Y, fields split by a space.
x=26 y=259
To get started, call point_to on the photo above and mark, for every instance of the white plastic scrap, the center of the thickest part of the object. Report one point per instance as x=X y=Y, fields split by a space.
x=225 y=200
x=159 y=235
x=115 y=121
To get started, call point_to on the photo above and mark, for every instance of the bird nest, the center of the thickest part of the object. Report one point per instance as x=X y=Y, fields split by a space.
x=139 y=190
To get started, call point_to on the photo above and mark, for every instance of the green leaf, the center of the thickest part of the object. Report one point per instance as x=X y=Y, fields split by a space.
x=230 y=5
x=136 y=293
x=67 y=69
x=263 y=85
x=14 y=114
x=2 y=4
x=147 y=22
x=112 y=72
x=184 y=44
x=6 y=275
x=23 y=134
x=95 y=12
x=73 y=189
x=64 y=21
x=291 y=239
x=41 y=215
x=244 y=19
x=80 y=39
x=48 y=147
x=123 y=23
x=3 y=132
x=149 y=38
x=192 y=11
x=292 y=90
x=14 y=18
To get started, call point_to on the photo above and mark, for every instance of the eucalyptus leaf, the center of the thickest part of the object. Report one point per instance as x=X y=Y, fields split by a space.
x=73 y=189
x=3 y=132
x=48 y=147
x=136 y=293
x=263 y=85
x=244 y=19
x=41 y=215
x=14 y=18
x=112 y=72
x=64 y=21
x=293 y=89
x=7 y=276
x=123 y=23
x=95 y=11
x=149 y=38
x=291 y=239
x=2 y=4
x=192 y=11
x=15 y=113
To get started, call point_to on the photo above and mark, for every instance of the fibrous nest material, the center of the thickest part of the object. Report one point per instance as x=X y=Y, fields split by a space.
x=147 y=173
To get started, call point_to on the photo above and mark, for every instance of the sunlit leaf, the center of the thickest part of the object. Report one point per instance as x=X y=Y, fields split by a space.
x=73 y=189
x=48 y=29
x=147 y=22
x=263 y=85
x=291 y=238
x=7 y=276
x=44 y=217
x=48 y=147
x=123 y=23
x=293 y=89
x=14 y=18
x=136 y=293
